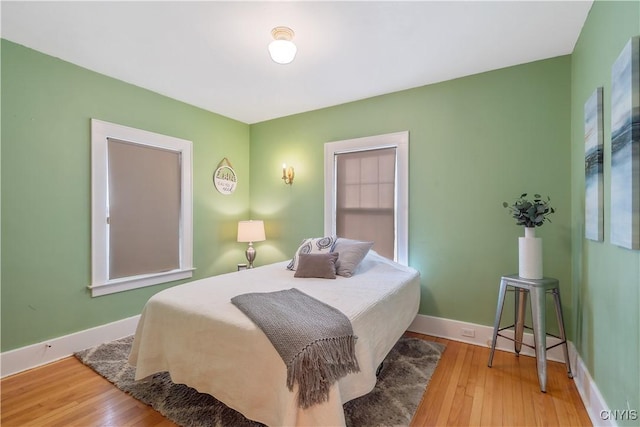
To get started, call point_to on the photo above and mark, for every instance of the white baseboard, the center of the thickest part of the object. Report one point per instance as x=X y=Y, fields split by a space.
x=34 y=355
x=453 y=329
x=595 y=404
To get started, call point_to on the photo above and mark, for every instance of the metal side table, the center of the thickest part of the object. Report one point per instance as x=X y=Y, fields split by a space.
x=538 y=290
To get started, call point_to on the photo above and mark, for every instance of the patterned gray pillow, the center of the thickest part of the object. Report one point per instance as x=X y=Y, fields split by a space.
x=312 y=245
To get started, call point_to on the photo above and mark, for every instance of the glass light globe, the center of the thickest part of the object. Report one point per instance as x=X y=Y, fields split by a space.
x=282 y=51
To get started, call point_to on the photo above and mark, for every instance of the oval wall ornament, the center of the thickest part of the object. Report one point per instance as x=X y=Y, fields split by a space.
x=224 y=178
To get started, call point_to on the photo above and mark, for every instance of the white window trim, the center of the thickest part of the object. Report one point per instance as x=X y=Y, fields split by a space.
x=399 y=140
x=100 y=283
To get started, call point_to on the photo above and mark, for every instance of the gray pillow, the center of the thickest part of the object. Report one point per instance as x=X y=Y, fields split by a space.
x=352 y=252
x=322 y=266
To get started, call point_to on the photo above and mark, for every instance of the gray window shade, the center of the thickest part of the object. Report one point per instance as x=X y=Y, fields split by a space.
x=365 y=197
x=144 y=209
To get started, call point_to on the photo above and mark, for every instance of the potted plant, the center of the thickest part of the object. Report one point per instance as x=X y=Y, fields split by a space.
x=531 y=213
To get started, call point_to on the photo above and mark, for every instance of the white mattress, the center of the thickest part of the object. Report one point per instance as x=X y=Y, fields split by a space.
x=196 y=334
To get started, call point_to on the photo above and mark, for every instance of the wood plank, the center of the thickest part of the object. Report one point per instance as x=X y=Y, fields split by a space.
x=449 y=388
x=433 y=400
x=480 y=368
x=461 y=408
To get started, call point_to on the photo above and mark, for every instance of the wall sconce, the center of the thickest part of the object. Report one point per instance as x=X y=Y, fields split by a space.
x=287 y=174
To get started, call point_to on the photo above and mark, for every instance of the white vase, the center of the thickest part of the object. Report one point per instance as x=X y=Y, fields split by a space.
x=530 y=255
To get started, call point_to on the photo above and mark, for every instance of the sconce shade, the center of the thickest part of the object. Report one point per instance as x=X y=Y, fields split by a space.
x=282 y=49
x=251 y=231
x=288 y=174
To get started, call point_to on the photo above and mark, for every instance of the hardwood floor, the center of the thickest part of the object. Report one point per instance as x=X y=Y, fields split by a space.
x=463 y=391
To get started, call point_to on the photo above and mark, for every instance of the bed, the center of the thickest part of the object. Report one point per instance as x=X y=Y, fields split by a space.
x=195 y=333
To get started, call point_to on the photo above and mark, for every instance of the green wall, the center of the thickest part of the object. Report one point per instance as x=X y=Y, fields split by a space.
x=474 y=143
x=47 y=105
x=606 y=278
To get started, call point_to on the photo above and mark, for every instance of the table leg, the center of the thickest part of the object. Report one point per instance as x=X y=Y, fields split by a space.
x=496 y=324
x=538 y=311
x=563 y=337
x=521 y=309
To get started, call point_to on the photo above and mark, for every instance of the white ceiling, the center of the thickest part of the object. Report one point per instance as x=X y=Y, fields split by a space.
x=213 y=54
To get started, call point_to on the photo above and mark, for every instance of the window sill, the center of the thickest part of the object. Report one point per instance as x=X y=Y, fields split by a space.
x=129 y=283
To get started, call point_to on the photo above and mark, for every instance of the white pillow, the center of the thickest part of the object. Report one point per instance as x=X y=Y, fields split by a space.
x=350 y=254
x=312 y=245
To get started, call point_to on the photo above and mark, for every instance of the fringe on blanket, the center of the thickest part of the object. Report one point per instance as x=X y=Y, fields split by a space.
x=319 y=365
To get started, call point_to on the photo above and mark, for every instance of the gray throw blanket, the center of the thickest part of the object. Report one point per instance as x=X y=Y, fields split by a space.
x=315 y=340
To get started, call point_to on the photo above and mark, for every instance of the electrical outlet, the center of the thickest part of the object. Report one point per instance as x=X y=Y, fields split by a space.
x=467 y=332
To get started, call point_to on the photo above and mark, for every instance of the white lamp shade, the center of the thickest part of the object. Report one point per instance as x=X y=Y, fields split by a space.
x=251 y=231
x=282 y=51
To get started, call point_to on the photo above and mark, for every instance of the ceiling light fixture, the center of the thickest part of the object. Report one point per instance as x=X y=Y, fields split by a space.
x=282 y=49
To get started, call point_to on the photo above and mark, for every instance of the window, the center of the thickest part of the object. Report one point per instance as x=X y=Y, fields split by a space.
x=366 y=192
x=141 y=208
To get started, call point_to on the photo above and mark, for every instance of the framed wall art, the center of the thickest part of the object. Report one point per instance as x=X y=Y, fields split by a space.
x=625 y=147
x=593 y=167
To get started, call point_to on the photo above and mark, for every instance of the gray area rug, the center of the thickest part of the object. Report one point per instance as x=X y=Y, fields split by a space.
x=401 y=383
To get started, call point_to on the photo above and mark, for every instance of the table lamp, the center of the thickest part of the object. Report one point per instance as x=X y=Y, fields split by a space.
x=251 y=231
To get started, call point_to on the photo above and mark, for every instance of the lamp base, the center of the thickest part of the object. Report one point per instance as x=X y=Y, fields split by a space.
x=250 y=253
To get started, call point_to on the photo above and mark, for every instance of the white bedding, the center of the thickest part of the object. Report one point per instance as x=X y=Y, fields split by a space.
x=196 y=334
